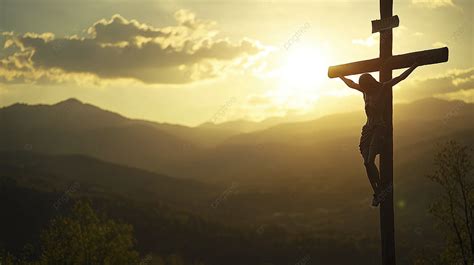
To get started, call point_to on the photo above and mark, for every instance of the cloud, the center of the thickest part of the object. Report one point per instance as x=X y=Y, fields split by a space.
x=439 y=44
x=463 y=95
x=118 y=29
x=122 y=48
x=374 y=39
x=433 y=3
x=369 y=41
x=452 y=81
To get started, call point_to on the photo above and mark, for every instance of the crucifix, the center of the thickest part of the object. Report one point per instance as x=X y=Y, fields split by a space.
x=385 y=63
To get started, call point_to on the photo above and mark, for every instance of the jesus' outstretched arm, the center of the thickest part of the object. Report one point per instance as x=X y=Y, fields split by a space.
x=351 y=83
x=401 y=77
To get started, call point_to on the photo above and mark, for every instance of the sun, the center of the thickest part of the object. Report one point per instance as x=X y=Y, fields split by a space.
x=304 y=67
x=300 y=77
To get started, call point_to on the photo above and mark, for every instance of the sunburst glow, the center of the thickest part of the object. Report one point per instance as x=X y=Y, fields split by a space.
x=300 y=77
x=304 y=67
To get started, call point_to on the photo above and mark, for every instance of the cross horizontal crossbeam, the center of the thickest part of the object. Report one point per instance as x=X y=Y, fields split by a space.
x=425 y=57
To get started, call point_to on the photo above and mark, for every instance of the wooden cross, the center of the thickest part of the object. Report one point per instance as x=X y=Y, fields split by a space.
x=385 y=64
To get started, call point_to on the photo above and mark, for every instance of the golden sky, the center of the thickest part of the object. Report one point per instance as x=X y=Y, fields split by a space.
x=183 y=61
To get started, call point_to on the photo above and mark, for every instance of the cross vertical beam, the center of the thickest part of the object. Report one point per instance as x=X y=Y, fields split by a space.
x=387 y=222
x=385 y=64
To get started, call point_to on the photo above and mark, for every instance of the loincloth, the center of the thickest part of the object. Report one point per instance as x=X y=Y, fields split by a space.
x=372 y=136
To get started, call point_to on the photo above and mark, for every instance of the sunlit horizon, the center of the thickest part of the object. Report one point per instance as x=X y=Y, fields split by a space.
x=184 y=62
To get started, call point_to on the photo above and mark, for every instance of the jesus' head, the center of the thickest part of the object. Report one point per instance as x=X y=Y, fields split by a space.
x=367 y=81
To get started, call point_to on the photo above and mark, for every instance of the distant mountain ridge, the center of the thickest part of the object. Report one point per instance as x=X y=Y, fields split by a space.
x=57 y=172
x=215 y=152
x=246 y=126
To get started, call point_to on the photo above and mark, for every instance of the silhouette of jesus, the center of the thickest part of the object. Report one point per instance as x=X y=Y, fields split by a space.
x=374 y=131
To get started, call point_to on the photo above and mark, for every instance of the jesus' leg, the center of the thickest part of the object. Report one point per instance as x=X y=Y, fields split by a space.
x=373 y=174
x=372 y=170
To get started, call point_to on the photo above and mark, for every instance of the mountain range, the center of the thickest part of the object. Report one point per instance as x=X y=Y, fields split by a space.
x=299 y=177
x=225 y=152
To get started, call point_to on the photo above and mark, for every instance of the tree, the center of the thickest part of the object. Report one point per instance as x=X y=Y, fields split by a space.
x=455 y=205
x=6 y=258
x=83 y=238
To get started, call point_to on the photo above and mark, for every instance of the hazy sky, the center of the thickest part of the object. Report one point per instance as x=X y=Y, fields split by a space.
x=188 y=61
